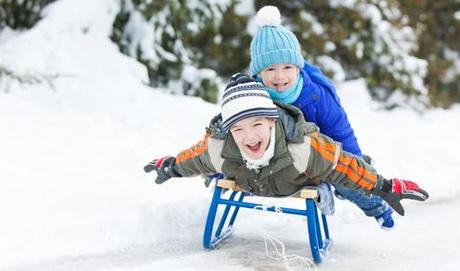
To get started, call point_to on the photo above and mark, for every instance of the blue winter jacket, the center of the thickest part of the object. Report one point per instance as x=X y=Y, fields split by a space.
x=321 y=105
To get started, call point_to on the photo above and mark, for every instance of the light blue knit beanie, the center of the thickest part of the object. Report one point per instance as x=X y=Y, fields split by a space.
x=273 y=44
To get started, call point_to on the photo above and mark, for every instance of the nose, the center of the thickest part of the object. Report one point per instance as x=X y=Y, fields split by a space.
x=279 y=74
x=249 y=138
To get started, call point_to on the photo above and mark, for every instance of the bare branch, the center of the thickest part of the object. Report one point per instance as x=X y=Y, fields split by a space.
x=32 y=78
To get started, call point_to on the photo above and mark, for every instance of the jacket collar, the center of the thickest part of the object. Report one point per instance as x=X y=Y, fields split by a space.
x=294 y=124
x=309 y=91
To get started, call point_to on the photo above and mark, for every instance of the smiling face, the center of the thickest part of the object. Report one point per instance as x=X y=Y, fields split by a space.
x=252 y=135
x=280 y=76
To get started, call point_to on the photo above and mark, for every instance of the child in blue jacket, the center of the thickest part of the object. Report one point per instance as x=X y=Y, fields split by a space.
x=276 y=60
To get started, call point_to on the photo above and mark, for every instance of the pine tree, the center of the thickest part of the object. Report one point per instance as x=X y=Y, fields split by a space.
x=438 y=34
x=354 y=39
x=182 y=43
x=406 y=50
x=21 y=14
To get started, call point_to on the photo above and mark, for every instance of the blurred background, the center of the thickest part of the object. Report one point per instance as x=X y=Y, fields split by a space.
x=406 y=50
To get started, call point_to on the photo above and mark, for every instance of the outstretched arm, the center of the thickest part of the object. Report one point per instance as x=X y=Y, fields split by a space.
x=191 y=162
x=196 y=160
x=328 y=161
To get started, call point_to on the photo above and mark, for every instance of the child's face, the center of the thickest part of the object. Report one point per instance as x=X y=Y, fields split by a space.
x=280 y=76
x=252 y=135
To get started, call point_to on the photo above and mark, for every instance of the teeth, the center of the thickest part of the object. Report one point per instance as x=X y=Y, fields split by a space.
x=280 y=85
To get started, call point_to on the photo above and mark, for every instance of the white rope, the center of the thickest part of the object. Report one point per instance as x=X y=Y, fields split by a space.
x=278 y=253
x=276 y=250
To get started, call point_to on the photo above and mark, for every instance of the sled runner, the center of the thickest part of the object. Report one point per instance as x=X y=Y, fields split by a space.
x=215 y=233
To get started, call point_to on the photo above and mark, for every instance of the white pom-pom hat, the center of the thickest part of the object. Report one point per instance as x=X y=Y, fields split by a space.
x=273 y=44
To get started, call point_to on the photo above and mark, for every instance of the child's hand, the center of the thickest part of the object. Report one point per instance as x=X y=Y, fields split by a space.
x=394 y=190
x=163 y=167
x=408 y=190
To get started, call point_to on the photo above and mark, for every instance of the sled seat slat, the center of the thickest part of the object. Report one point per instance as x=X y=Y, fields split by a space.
x=304 y=193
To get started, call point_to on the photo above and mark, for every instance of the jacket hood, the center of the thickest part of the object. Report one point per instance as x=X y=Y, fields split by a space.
x=294 y=125
x=215 y=128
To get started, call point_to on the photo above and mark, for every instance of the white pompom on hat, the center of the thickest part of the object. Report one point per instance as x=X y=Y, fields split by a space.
x=268 y=15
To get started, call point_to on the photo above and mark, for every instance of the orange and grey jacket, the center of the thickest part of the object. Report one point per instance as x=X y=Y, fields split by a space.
x=302 y=157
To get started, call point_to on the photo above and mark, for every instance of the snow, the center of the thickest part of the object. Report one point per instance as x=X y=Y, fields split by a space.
x=457 y=15
x=316 y=27
x=332 y=65
x=74 y=196
x=455 y=68
x=245 y=8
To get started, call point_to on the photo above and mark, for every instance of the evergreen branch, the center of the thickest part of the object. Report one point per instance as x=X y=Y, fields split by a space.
x=29 y=78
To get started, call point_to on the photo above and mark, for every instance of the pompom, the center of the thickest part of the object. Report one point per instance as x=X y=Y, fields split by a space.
x=268 y=15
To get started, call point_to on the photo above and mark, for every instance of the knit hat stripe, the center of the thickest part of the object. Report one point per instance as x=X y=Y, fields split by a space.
x=245 y=100
x=271 y=36
x=253 y=112
x=242 y=87
x=245 y=97
x=284 y=40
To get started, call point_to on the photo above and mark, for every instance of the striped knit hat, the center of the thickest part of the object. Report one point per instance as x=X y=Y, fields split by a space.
x=243 y=98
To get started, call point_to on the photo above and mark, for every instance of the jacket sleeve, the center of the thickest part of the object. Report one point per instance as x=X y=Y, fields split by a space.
x=195 y=160
x=328 y=161
x=333 y=121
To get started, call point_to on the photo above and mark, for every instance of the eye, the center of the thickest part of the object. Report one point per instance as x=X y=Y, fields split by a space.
x=236 y=130
x=288 y=67
x=257 y=124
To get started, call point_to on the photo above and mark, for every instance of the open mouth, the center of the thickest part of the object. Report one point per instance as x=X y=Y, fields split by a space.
x=280 y=86
x=254 y=147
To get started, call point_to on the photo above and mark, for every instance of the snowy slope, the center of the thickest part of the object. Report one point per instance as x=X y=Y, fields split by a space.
x=73 y=195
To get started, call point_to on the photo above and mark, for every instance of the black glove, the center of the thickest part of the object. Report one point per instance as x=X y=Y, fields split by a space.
x=164 y=168
x=394 y=190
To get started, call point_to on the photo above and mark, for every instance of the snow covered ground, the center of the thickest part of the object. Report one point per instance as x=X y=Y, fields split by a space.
x=73 y=195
